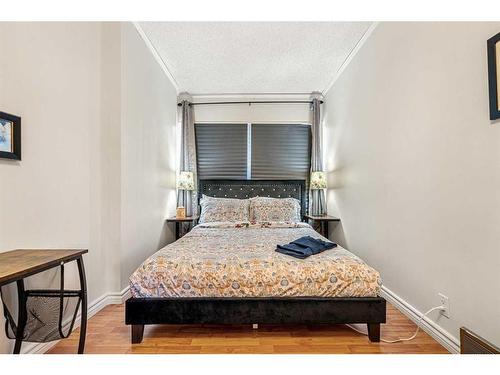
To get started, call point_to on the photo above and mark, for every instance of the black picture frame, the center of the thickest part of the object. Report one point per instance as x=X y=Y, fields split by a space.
x=16 y=134
x=493 y=66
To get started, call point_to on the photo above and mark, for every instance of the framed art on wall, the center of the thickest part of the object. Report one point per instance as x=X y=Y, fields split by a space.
x=494 y=75
x=10 y=136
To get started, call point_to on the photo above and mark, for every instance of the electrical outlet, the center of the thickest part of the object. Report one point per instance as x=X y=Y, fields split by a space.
x=446 y=303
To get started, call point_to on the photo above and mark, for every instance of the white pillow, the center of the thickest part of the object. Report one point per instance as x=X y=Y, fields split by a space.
x=274 y=209
x=223 y=209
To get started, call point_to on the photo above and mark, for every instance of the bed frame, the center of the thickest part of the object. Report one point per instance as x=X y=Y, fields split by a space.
x=279 y=310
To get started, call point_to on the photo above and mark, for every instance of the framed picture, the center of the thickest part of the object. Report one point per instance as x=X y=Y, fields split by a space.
x=10 y=136
x=494 y=75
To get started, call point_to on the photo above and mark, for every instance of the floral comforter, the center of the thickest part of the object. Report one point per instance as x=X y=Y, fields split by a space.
x=239 y=260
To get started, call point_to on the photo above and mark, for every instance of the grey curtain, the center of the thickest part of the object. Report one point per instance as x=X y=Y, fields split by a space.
x=188 y=158
x=317 y=205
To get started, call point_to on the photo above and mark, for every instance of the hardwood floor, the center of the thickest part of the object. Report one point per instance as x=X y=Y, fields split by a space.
x=107 y=333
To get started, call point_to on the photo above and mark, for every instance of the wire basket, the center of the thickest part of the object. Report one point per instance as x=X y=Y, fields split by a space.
x=45 y=314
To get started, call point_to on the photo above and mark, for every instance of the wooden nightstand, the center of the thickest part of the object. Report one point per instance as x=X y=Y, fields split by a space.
x=178 y=224
x=320 y=223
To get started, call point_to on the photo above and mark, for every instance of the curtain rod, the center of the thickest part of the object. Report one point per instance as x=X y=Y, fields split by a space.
x=257 y=102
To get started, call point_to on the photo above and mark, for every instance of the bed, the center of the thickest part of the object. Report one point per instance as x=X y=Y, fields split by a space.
x=229 y=273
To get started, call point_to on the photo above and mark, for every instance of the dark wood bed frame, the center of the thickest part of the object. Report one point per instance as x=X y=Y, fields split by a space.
x=251 y=310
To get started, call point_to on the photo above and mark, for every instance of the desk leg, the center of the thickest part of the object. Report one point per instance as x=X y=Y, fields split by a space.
x=83 y=287
x=22 y=316
x=325 y=229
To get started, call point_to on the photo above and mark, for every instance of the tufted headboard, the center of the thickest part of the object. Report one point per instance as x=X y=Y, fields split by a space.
x=252 y=188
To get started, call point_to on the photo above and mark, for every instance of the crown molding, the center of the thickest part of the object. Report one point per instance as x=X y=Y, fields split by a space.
x=351 y=55
x=156 y=55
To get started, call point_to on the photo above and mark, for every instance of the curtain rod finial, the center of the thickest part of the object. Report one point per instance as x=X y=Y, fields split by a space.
x=184 y=96
x=316 y=95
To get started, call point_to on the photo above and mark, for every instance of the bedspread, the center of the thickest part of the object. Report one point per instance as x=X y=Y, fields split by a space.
x=239 y=260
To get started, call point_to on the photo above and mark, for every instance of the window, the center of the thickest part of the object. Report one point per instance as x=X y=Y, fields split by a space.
x=253 y=151
x=280 y=151
x=221 y=151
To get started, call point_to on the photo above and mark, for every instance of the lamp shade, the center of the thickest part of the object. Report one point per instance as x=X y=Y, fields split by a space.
x=318 y=180
x=185 y=181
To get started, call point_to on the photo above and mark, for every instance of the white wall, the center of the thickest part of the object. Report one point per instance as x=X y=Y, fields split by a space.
x=148 y=153
x=98 y=123
x=52 y=197
x=256 y=113
x=111 y=151
x=414 y=167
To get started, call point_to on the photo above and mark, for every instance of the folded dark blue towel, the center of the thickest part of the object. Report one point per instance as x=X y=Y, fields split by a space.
x=315 y=244
x=304 y=247
x=294 y=250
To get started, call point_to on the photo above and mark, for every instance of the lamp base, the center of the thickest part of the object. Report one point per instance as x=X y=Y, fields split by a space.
x=180 y=213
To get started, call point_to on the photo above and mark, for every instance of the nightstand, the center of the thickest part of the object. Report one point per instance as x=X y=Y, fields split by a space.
x=179 y=223
x=320 y=223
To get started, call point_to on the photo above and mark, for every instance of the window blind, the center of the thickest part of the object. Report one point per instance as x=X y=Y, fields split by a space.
x=221 y=151
x=281 y=151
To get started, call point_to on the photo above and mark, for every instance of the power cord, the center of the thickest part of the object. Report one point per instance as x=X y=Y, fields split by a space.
x=403 y=339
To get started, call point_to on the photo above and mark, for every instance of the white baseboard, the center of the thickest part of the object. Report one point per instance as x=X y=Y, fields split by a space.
x=437 y=332
x=125 y=294
x=118 y=297
x=93 y=308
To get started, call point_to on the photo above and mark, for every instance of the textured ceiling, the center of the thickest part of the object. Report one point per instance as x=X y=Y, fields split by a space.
x=253 y=57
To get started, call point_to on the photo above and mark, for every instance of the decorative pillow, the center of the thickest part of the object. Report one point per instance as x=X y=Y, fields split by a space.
x=223 y=209
x=274 y=209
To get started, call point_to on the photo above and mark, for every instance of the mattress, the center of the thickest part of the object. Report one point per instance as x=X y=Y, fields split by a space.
x=239 y=260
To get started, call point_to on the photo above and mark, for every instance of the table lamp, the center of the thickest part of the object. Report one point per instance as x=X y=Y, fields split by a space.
x=184 y=182
x=318 y=180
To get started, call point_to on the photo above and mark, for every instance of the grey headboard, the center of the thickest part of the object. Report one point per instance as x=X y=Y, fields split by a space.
x=251 y=188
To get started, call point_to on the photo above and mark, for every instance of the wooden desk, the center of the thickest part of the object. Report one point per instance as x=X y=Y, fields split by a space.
x=18 y=264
